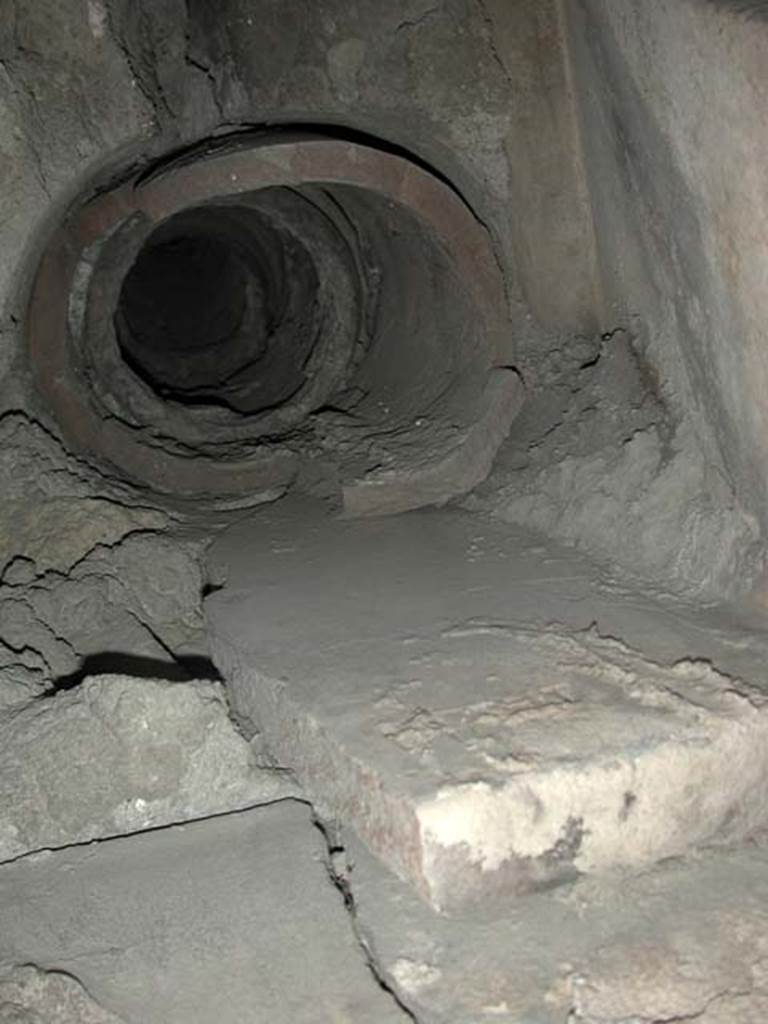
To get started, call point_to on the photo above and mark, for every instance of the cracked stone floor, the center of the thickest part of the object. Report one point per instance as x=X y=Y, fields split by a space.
x=521 y=791
x=249 y=917
x=230 y=919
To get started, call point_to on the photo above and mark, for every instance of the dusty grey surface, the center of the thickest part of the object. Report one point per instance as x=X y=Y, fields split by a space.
x=237 y=919
x=600 y=458
x=623 y=180
x=57 y=533
x=476 y=704
x=116 y=755
x=685 y=941
x=672 y=100
x=31 y=996
x=230 y=920
x=134 y=603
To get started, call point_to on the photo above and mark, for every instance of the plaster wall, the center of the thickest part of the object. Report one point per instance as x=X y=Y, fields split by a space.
x=674 y=121
x=548 y=193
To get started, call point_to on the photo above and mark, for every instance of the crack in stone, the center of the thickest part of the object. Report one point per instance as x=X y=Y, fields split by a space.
x=576 y=1016
x=198 y=65
x=99 y=840
x=134 y=68
x=27 y=100
x=338 y=878
x=419 y=20
x=490 y=29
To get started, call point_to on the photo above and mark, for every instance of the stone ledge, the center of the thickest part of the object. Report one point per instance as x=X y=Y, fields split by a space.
x=479 y=760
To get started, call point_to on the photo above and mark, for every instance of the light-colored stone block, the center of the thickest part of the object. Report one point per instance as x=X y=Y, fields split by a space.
x=478 y=758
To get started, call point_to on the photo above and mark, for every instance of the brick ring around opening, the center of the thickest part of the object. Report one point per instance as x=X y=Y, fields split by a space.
x=244 y=167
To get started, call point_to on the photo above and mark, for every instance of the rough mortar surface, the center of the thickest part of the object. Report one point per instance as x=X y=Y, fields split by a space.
x=599 y=459
x=672 y=107
x=58 y=533
x=87 y=571
x=116 y=755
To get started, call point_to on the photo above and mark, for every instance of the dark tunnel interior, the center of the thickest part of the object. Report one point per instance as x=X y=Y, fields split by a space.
x=219 y=308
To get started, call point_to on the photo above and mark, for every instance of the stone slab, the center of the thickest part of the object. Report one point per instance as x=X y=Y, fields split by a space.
x=233 y=919
x=481 y=756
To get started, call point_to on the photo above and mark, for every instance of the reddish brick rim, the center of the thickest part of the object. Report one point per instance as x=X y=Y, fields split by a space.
x=244 y=169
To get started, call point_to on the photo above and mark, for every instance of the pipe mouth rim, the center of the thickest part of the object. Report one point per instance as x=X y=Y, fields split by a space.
x=231 y=174
x=222 y=429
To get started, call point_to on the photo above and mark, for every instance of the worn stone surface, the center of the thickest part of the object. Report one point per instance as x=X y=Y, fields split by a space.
x=31 y=996
x=679 y=976
x=554 y=238
x=684 y=941
x=233 y=919
x=119 y=754
x=478 y=756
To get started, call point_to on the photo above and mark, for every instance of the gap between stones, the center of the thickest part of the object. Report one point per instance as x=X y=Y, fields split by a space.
x=98 y=840
x=335 y=849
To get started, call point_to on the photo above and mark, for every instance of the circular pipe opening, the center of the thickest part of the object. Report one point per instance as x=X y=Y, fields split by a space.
x=306 y=310
x=220 y=307
x=180 y=311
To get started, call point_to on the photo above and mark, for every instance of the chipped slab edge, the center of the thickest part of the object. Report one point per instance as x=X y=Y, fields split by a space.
x=481 y=843
x=473 y=844
x=456 y=473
